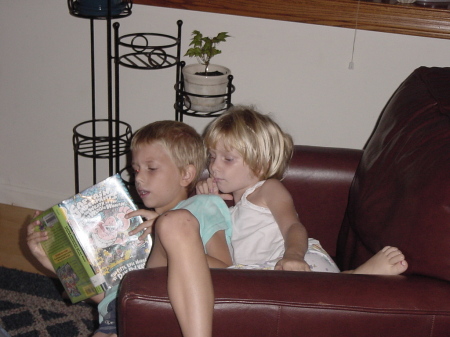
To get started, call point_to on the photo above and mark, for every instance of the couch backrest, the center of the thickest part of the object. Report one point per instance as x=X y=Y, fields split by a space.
x=319 y=179
x=401 y=192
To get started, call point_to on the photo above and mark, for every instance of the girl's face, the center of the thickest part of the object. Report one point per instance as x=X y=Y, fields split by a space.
x=230 y=172
x=158 y=179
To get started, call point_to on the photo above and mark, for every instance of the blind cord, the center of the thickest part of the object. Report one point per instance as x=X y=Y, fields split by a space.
x=351 y=65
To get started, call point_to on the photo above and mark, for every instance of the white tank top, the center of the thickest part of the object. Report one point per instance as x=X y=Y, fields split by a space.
x=256 y=237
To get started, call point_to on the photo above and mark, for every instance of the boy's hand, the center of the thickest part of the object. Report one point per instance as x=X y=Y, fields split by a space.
x=293 y=264
x=146 y=226
x=209 y=186
x=34 y=240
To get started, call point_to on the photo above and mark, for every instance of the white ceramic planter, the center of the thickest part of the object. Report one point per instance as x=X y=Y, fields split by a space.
x=205 y=85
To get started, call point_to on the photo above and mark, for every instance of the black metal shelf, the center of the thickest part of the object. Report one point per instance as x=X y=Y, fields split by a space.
x=149 y=51
x=107 y=138
x=183 y=106
x=88 y=143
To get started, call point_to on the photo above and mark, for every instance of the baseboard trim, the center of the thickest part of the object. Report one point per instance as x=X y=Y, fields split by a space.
x=28 y=198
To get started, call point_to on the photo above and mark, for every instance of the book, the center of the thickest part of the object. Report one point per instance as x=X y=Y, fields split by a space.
x=88 y=242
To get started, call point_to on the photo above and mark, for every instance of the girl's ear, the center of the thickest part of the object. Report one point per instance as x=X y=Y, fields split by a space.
x=259 y=173
x=188 y=175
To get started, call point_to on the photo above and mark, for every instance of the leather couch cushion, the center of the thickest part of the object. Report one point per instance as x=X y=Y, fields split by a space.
x=401 y=192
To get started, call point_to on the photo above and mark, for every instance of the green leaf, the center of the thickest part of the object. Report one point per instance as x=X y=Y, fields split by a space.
x=221 y=37
x=204 y=48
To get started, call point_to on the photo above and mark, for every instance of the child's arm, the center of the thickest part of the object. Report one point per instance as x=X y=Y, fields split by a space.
x=218 y=255
x=295 y=249
x=278 y=199
x=34 y=240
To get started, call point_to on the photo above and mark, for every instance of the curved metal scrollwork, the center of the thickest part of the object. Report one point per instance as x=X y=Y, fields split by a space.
x=149 y=50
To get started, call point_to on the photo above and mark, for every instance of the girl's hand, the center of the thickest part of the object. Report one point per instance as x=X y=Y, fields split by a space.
x=209 y=186
x=293 y=264
x=146 y=226
x=34 y=240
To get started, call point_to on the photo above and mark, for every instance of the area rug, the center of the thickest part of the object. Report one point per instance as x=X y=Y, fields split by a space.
x=31 y=305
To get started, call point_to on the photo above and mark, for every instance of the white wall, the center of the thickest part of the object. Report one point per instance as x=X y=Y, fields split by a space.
x=298 y=72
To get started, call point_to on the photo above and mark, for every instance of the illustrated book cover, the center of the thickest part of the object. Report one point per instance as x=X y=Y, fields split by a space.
x=88 y=242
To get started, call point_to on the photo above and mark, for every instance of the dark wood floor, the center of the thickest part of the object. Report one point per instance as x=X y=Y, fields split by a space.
x=14 y=251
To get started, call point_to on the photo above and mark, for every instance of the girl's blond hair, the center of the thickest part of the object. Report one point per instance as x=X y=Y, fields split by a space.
x=182 y=142
x=264 y=147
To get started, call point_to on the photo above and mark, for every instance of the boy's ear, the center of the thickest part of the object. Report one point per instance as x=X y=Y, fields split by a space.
x=188 y=175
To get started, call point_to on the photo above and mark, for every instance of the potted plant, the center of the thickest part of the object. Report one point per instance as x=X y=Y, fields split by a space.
x=204 y=78
x=99 y=8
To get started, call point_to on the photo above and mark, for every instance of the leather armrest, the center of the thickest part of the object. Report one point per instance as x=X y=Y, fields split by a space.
x=278 y=303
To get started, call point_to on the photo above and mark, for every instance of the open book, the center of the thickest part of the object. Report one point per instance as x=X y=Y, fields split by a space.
x=88 y=242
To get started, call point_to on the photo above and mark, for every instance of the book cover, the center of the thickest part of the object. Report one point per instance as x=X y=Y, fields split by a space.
x=67 y=257
x=88 y=243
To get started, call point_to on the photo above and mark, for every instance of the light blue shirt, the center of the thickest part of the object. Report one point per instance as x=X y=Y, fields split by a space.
x=212 y=214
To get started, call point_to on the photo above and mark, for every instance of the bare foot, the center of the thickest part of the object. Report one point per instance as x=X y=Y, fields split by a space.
x=388 y=261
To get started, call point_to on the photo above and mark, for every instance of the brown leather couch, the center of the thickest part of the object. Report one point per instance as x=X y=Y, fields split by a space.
x=394 y=192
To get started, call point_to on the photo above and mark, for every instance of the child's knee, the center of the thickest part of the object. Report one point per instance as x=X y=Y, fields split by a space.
x=177 y=223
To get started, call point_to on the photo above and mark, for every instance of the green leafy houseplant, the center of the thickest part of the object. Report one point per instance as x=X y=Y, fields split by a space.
x=204 y=48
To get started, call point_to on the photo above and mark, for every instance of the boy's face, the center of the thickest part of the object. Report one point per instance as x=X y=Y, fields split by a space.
x=229 y=171
x=158 y=179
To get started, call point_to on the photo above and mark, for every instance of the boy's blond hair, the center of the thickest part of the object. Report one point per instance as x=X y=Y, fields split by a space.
x=182 y=142
x=264 y=147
